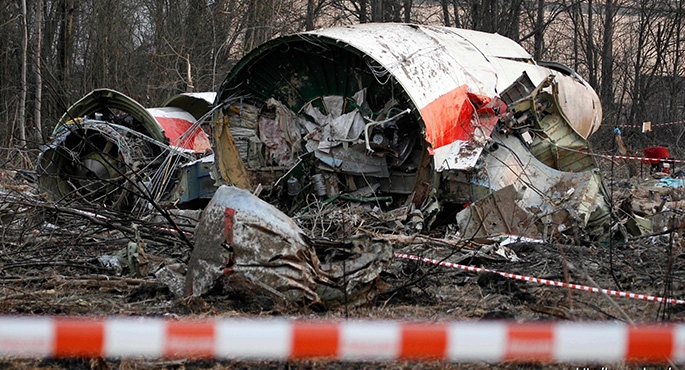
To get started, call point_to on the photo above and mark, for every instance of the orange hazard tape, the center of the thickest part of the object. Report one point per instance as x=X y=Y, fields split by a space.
x=542 y=281
x=385 y=340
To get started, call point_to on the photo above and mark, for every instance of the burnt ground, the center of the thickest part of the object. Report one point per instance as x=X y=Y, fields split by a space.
x=49 y=265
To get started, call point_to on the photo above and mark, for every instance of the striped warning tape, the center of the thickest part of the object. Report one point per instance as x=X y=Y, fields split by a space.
x=645 y=159
x=541 y=281
x=280 y=339
x=652 y=125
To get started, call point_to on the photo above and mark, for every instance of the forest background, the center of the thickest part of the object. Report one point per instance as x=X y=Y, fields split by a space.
x=52 y=52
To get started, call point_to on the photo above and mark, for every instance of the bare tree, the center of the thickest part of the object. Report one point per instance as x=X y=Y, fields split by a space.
x=591 y=51
x=444 y=5
x=501 y=16
x=24 y=67
x=389 y=11
x=581 y=15
x=677 y=82
x=652 y=33
x=456 y=5
x=538 y=29
x=257 y=27
x=37 y=117
x=66 y=11
x=540 y=17
x=407 y=10
x=376 y=10
x=314 y=7
x=606 y=92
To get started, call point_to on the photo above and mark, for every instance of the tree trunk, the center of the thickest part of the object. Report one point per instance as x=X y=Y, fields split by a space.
x=376 y=10
x=24 y=64
x=309 y=17
x=637 y=112
x=363 y=8
x=64 y=44
x=575 y=14
x=607 y=87
x=539 y=30
x=591 y=66
x=407 y=11
x=515 y=20
x=675 y=78
x=457 y=19
x=445 y=13
x=476 y=16
x=259 y=14
x=39 y=79
x=490 y=21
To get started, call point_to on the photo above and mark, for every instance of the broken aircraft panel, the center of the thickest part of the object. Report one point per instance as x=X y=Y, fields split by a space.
x=240 y=235
x=403 y=109
x=107 y=146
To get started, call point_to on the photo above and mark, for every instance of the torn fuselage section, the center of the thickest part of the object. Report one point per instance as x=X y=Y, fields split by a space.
x=537 y=177
x=110 y=151
x=329 y=138
x=398 y=114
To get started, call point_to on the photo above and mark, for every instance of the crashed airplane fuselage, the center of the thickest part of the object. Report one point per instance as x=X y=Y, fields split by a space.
x=422 y=115
x=110 y=151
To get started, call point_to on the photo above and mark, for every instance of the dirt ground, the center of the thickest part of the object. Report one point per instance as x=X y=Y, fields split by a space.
x=50 y=264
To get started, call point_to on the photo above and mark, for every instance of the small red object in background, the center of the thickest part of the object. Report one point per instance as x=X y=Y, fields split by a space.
x=655 y=152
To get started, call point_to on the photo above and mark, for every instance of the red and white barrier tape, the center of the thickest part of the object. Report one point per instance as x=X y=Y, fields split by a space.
x=644 y=159
x=652 y=125
x=542 y=281
x=351 y=340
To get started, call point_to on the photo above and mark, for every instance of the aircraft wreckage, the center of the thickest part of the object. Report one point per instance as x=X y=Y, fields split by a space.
x=428 y=120
x=109 y=150
x=419 y=113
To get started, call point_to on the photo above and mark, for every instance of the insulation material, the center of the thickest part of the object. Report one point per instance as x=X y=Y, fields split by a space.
x=243 y=120
x=280 y=135
x=287 y=121
x=231 y=168
x=277 y=149
x=243 y=115
x=335 y=128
